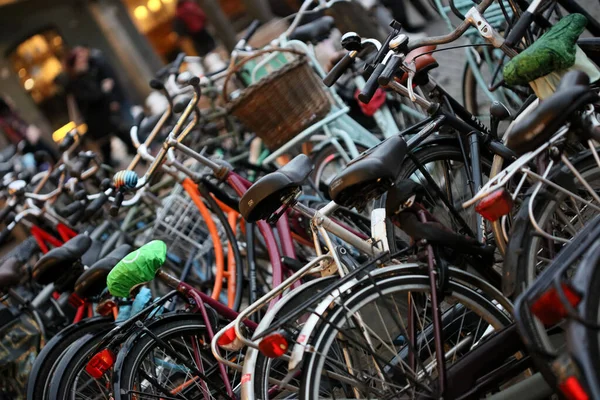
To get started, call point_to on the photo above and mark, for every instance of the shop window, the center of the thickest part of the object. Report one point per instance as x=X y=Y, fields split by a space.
x=37 y=61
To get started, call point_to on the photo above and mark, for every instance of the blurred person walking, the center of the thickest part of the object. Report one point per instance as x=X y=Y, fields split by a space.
x=190 y=24
x=27 y=137
x=400 y=13
x=93 y=90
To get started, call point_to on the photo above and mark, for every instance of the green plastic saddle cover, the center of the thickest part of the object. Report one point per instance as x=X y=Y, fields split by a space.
x=546 y=85
x=554 y=51
x=137 y=267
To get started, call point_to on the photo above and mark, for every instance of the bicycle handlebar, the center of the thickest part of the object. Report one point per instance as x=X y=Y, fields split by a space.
x=518 y=31
x=6 y=212
x=4 y=235
x=338 y=69
x=249 y=33
x=367 y=92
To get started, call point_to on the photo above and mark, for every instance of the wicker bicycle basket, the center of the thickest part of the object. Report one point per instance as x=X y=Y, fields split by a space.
x=281 y=105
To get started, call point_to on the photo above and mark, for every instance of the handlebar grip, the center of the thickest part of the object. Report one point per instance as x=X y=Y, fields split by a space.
x=114 y=209
x=181 y=104
x=176 y=65
x=42 y=156
x=5 y=213
x=76 y=217
x=390 y=70
x=338 y=70
x=139 y=119
x=519 y=30
x=4 y=235
x=156 y=84
x=366 y=94
x=125 y=179
x=94 y=206
x=67 y=142
x=71 y=209
x=80 y=166
x=251 y=30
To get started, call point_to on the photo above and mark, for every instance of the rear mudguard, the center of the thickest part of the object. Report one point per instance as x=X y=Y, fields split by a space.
x=55 y=341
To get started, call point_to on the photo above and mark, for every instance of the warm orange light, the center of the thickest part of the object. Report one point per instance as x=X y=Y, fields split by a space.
x=140 y=12
x=59 y=134
x=29 y=84
x=22 y=73
x=167 y=1
x=154 y=5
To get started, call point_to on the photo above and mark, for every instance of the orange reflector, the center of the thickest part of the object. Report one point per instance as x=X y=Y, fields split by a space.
x=572 y=389
x=495 y=205
x=229 y=340
x=100 y=363
x=549 y=309
x=273 y=345
x=105 y=308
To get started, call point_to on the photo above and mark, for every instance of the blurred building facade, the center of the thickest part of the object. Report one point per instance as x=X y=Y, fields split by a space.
x=135 y=36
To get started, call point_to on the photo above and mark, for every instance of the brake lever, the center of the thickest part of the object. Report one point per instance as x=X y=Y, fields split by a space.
x=411 y=70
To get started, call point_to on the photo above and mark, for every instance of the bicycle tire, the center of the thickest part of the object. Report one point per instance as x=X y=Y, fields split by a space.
x=447 y=152
x=327 y=331
x=264 y=365
x=132 y=355
x=524 y=242
x=47 y=359
x=74 y=361
x=233 y=244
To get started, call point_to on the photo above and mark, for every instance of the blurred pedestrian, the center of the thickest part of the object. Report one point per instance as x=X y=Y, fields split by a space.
x=400 y=14
x=190 y=24
x=20 y=133
x=92 y=86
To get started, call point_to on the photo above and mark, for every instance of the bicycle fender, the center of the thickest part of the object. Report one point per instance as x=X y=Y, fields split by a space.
x=251 y=355
x=56 y=340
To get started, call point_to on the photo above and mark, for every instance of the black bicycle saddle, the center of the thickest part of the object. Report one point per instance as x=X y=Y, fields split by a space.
x=369 y=175
x=57 y=261
x=538 y=127
x=93 y=280
x=10 y=273
x=265 y=196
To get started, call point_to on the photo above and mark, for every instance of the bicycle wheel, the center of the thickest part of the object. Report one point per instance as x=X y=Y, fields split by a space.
x=177 y=365
x=269 y=368
x=47 y=360
x=475 y=97
x=71 y=381
x=556 y=213
x=445 y=164
x=362 y=348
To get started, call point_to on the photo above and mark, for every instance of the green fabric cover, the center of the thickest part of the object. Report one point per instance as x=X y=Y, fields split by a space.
x=554 y=51
x=137 y=267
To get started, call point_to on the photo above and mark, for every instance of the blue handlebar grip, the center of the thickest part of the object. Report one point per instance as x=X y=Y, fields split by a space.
x=125 y=179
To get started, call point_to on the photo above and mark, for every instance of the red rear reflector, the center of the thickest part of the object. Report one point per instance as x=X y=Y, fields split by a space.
x=100 y=363
x=75 y=301
x=548 y=307
x=572 y=389
x=229 y=340
x=273 y=345
x=106 y=308
x=495 y=205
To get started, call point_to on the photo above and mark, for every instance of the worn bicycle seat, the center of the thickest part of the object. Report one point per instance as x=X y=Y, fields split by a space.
x=538 y=127
x=423 y=62
x=314 y=31
x=10 y=273
x=93 y=280
x=265 y=196
x=54 y=263
x=369 y=175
